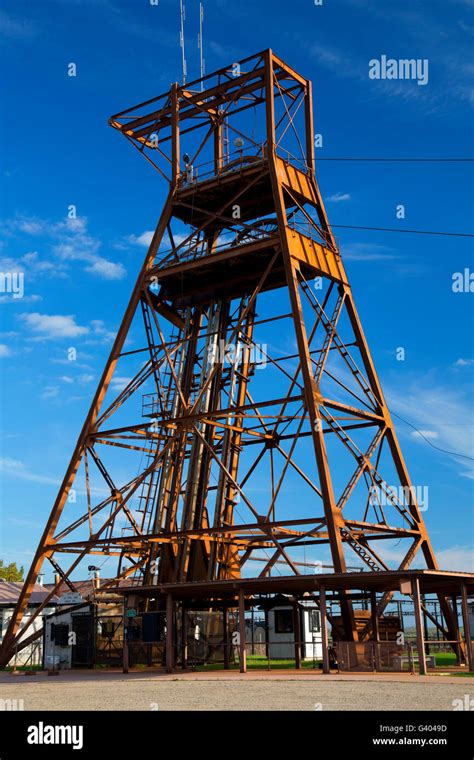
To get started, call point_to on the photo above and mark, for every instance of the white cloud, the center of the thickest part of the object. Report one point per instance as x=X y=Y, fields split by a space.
x=430 y=434
x=119 y=383
x=30 y=226
x=24 y=299
x=82 y=379
x=71 y=242
x=98 y=328
x=17 y=469
x=327 y=56
x=444 y=412
x=421 y=27
x=338 y=197
x=455 y=558
x=30 y=263
x=464 y=363
x=68 y=363
x=51 y=391
x=4 y=351
x=367 y=252
x=460 y=558
x=53 y=326
x=144 y=239
x=109 y=270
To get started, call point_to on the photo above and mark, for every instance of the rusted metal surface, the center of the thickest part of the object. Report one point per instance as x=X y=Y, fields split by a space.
x=243 y=242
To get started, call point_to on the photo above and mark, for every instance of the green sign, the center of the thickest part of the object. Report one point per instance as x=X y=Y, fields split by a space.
x=131 y=613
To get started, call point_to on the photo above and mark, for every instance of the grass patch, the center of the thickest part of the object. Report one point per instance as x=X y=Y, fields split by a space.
x=258 y=662
x=445 y=659
x=22 y=668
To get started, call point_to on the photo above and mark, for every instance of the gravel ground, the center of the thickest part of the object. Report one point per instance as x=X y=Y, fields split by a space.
x=152 y=693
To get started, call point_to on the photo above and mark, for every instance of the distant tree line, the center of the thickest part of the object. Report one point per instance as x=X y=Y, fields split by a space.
x=11 y=572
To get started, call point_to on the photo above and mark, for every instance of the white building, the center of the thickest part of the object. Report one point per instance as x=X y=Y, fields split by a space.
x=281 y=633
x=69 y=637
x=9 y=594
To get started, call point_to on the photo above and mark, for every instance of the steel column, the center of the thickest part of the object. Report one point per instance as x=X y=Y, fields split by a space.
x=242 y=649
x=420 y=635
x=466 y=621
x=225 y=628
x=169 y=634
x=324 y=628
x=297 y=633
x=184 y=637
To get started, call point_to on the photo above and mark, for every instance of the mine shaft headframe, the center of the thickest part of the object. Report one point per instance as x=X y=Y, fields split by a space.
x=156 y=126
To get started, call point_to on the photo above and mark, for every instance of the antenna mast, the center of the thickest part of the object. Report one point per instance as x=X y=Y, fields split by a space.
x=200 y=43
x=182 y=14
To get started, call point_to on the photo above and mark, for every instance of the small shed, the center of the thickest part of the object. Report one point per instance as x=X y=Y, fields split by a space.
x=281 y=631
x=68 y=638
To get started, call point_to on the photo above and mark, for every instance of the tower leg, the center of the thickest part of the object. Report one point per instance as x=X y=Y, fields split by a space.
x=169 y=633
x=184 y=637
x=420 y=636
x=467 y=628
x=324 y=628
x=6 y=648
x=242 y=649
x=297 y=634
x=225 y=626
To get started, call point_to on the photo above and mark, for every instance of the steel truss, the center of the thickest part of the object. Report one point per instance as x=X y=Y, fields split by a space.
x=242 y=453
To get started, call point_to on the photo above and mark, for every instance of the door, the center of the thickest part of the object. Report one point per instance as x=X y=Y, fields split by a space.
x=83 y=647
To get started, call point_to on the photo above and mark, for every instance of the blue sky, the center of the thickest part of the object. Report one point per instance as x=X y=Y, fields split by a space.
x=59 y=151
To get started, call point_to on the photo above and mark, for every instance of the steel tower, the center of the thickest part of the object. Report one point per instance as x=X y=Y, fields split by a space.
x=239 y=425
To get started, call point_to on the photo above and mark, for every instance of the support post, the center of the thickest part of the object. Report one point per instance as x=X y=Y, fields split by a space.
x=420 y=636
x=375 y=628
x=297 y=634
x=467 y=629
x=184 y=637
x=425 y=623
x=175 y=145
x=225 y=624
x=242 y=652
x=169 y=633
x=125 y=657
x=308 y=110
x=457 y=631
x=252 y=632
x=267 y=645
x=324 y=628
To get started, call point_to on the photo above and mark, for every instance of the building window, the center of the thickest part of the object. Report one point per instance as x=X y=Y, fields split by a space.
x=60 y=634
x=314 y=621
x=283 y=621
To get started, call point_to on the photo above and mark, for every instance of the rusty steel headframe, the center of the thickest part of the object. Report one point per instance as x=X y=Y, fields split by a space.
x=242 y=452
